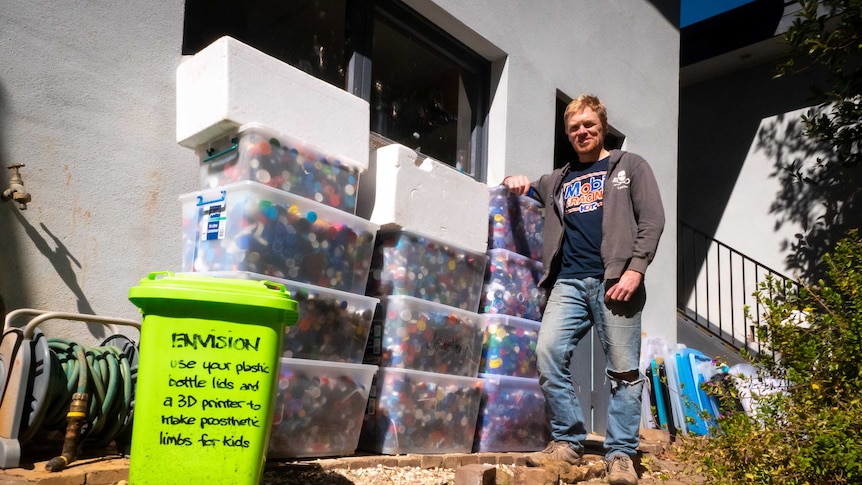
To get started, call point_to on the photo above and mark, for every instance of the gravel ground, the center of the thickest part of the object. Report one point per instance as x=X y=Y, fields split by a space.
x=659 y=471
x=659 y=466
x=378 y=475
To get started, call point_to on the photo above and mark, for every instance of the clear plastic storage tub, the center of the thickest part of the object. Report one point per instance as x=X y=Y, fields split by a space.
x=509 y=346
x=412 y=264
x=319 y=408
x=412 y=411
x=261 y=154
x=512 y=286
x=515 y=222
x=247 y=226
x=512 y=415
x=411 y=333
x=333 y=325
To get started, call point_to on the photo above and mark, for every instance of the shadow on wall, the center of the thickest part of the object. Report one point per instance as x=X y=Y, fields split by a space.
x=670 y=9
x=822 y=196
x=722 y=121
x=12 y=282
x=713 y=146
x=62 y=261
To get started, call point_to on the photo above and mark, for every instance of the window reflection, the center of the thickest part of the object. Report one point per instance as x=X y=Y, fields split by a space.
x=415 y=96
x=307 y=34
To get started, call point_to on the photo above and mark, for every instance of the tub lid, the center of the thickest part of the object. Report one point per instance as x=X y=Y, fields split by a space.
x=165 y=285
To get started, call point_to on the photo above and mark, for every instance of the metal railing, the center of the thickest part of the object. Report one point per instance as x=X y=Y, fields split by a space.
x=716 y=286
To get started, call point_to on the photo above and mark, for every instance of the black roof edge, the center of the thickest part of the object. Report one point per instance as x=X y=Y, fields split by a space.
x=739 y=27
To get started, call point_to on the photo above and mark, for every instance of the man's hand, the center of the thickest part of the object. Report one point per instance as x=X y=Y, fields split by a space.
x=518 y=184
x=625 y=287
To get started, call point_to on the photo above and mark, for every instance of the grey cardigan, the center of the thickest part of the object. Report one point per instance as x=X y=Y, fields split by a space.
x=632 y=222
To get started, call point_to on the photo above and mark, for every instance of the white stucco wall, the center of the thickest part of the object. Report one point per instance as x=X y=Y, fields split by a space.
x=87 y=102
x=754 y=196
x=739 y=130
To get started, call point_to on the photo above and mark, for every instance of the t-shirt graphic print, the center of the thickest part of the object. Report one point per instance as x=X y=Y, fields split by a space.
x=582 y=196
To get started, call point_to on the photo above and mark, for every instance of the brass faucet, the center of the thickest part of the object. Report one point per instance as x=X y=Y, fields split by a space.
x=16 y=190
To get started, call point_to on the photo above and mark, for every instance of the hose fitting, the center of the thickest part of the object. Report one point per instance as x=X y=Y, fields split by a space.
x=75 y=420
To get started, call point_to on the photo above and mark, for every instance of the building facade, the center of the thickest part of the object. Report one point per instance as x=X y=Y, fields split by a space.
x=88 y=105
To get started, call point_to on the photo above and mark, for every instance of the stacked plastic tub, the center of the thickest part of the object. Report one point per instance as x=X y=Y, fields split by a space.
x=512 y=414
x=426 y=337
x=274 y=207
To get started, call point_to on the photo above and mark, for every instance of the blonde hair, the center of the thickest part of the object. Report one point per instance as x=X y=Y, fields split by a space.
x=587 y=101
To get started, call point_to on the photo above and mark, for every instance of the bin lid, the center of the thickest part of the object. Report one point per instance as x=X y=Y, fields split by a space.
x=165 y=285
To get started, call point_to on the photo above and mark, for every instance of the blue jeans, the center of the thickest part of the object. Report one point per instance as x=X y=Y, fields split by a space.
x=574 y=306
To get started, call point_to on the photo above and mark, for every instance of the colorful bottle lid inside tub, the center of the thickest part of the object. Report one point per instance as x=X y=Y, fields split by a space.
x=261 y=154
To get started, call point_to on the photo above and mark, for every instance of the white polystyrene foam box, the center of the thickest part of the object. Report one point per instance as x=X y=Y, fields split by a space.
x=425 y=196
x=228 y=84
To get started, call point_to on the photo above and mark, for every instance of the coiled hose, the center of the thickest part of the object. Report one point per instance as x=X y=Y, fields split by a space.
x=89 y=394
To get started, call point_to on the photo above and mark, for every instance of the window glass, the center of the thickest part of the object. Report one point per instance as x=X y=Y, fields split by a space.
x=307 y=34
x=417 y=97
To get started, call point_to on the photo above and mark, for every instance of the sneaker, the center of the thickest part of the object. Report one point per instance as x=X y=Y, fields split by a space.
x=556 y=451
x=621 y=471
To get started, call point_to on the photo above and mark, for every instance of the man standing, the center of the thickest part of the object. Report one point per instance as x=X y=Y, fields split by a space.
x=603 y=220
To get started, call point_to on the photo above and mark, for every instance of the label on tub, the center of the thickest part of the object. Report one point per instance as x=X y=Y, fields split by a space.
x=214 y=221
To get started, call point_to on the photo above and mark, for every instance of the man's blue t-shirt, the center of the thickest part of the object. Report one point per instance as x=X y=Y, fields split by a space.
x=582 y=194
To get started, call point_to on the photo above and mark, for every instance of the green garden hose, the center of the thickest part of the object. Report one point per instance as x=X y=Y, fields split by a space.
x=100 y=376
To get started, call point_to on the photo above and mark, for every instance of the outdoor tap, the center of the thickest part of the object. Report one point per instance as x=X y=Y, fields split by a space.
x=16 y=190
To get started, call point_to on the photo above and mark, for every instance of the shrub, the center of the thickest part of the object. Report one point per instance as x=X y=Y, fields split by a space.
x=811 y=433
